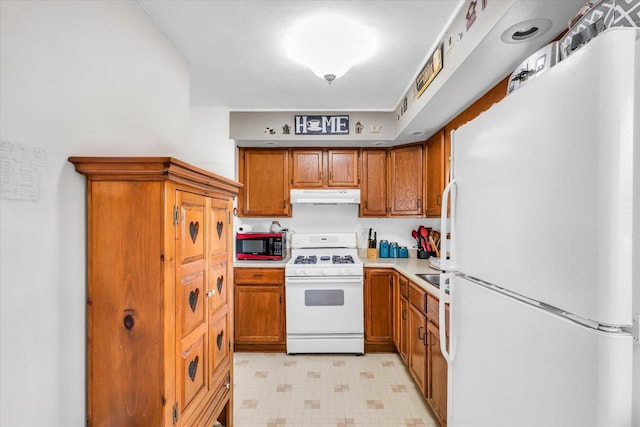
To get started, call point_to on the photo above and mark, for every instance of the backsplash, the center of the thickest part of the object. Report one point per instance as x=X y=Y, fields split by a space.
x=343 y=219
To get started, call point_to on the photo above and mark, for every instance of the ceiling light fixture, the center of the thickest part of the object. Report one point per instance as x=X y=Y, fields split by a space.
x=329 y=44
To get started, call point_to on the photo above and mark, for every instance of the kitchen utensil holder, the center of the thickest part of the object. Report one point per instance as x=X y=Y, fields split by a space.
x=423 y=254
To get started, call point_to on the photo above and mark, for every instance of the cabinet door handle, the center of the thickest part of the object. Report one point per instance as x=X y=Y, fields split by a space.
x=419 y=203
x=404 y=314
x=421 y=338
x=439 y=199
x=211 y=293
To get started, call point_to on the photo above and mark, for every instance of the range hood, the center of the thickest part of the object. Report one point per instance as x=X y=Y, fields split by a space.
x=329 y=196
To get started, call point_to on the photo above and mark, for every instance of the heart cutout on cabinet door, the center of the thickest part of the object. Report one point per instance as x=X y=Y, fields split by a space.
x=193 y=299
x=219 y=284
x=219 y=226
x=219 y=340
x=193 y=230
x=193 y=368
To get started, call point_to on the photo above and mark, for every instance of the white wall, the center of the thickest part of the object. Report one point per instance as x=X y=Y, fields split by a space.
x=210 y=134
x=344 y=219
x=76 y=78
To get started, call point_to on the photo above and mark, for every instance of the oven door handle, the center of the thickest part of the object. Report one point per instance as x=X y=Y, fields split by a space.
x=338 y=280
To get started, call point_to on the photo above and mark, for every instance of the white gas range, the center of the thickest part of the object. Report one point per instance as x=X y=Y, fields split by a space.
x=324 y=294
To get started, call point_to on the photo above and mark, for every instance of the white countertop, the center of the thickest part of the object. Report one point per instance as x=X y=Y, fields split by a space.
x=408 y=267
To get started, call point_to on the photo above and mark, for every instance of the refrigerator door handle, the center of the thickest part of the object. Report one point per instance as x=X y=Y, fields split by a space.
x=447 y=246
x=450 y=351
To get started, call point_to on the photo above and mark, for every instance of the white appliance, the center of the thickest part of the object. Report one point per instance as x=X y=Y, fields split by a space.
x=324 y=294
x=545 y=249
x=325 y=196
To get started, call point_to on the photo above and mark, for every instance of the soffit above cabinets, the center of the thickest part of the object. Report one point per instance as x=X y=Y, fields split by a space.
x=475 y=62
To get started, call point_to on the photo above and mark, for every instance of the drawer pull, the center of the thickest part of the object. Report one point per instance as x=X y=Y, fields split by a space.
x=211 y=293
x=227 y=385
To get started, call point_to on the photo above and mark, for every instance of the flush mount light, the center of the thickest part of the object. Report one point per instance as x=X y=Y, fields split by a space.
x=417 y=132
x=526 y=30
x=329 y=44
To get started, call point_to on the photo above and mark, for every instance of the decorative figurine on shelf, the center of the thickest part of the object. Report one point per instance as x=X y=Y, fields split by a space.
x=270 y=131
x=275 y=227
x=286 y=130
x=359 y=127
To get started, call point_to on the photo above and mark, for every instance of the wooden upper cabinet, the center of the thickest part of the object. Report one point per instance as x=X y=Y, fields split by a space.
x=343 y=168
x=318 y=168
x=373 y=187
x=434 y=174
x=307 y=168
x=406 y=181
x=265 y=175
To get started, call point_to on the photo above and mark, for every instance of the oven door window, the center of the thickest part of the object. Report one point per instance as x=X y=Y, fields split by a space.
x=323 y=297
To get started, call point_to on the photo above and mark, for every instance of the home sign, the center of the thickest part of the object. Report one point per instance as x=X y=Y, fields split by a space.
x=322 y=125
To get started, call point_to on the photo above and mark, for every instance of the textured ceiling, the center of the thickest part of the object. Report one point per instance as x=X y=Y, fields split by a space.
x=236 y=53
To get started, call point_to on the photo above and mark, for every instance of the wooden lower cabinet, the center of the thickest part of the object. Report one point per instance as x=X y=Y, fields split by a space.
x=416 y=320
x=402 y=318
x=259 y=309
x=436 y=390
x=159 y=297
x=378 y=309
x=418 y=347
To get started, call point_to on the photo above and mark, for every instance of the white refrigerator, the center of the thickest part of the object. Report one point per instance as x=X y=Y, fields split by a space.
x=544 y=265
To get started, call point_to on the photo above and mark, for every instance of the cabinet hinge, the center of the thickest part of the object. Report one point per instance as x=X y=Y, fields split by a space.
x=229 y=217
x=175 y=413
x=175 y=215
x=229 y=345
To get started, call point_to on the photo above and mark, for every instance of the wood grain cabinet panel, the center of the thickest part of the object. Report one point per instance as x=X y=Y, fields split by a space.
x=265 y=176
x=418 y=347
x=434 y=174
x=259 y=309
x=436 y=389
x=322 y=168
x=378 y=309
x=373 y=186
x=308 y=168
x=157 y=240
x=343 y=168
x=406 y=181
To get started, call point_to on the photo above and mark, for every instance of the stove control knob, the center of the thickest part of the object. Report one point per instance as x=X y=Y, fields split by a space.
x=324 y=272
x=305 y=272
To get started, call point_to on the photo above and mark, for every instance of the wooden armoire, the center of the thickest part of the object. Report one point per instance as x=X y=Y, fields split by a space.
x=159 y=292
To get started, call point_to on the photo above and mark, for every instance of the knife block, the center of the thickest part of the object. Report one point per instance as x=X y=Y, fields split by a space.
x=372 y=253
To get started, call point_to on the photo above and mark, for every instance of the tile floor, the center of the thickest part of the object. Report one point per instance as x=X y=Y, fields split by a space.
x=277 y=390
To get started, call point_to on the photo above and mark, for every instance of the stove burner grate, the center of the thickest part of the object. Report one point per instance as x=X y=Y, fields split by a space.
x=346 y=259
x=301 y=259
